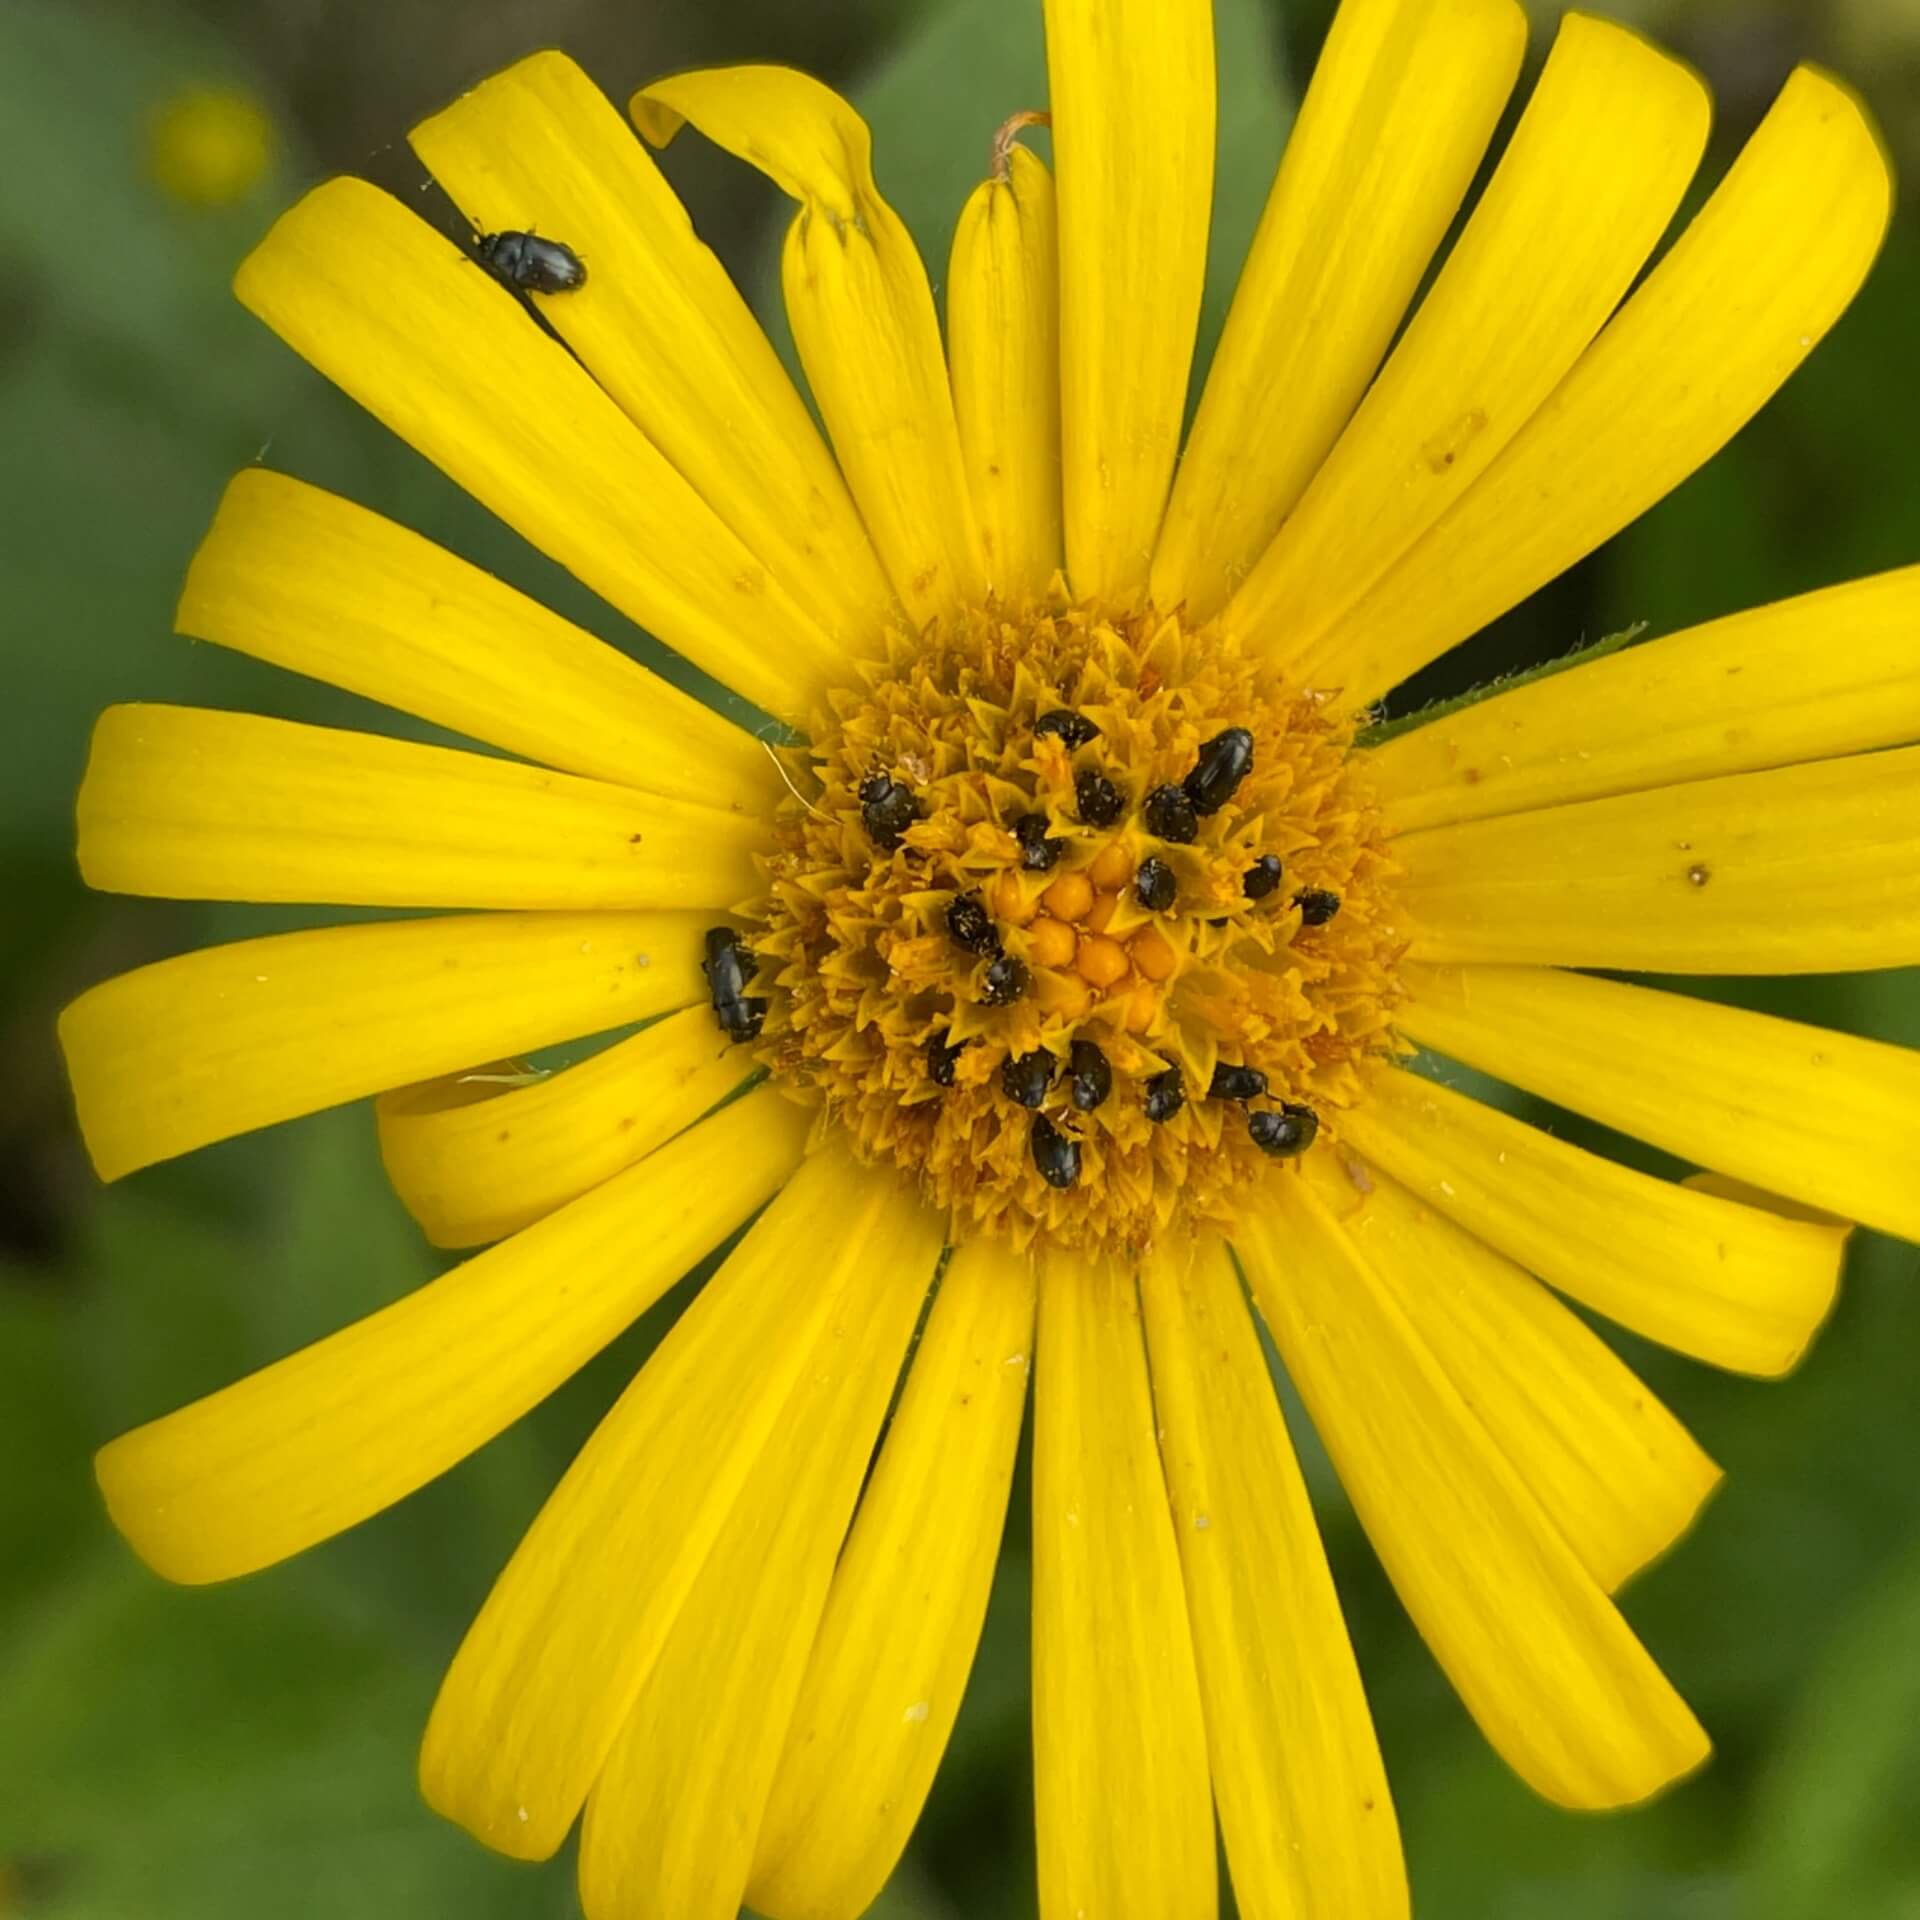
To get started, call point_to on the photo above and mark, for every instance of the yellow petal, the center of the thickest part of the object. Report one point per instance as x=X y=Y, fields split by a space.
x=320 y=586
x=187 y=1051
x=1119 y=1745
x=1132 y=88
x=1003 y=332
x=550 y=1669
x=672 y=1821
x=1744 y=296
x=1823 y=1118
x=660 y=325
x=472 y=1163
x=862 y=316
x=1807 y=869
x=317 y=1442
x=1402 y=105
x=1616 y=1472
x=1827 y=674
x=1304 y=1807
x=1538 y=1654
x=426 y=340
x=1595 y=171
x=189 y=804
x=1742 y=1289
x=886 y=1674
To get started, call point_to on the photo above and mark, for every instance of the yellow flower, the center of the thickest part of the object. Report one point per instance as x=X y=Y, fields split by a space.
x=210 y=146
x=1081 y=936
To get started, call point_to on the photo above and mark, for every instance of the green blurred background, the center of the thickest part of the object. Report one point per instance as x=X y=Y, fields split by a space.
x=246 y=1750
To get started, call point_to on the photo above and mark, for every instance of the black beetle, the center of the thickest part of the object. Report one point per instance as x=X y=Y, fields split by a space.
x=741 y=1020
x=1154 y=885
x=1317 y=906
x=1262 y=878
x=887 y=809
x=1166 y=1095
x=1169 y=815
x=1037 y=852
x=1007 y=979
x=729 y=965
x=971 y=925
x=941 y=1056
x=1224 y=762
x=1025 y=1077
x=528 y=264
x=1283 y=1134
x=1099 y=801
x=1057 y=1157
x=1074 y=729
x=1092 y=1076
x=1236 y=1083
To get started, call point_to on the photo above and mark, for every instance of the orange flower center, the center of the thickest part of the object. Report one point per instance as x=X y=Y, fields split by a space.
x=1083 y=926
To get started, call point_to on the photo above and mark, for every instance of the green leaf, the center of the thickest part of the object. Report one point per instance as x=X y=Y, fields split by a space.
x=1837 y=1819
x=130 y=379
x=46 y=1514
x=171 y=1297
x=344 y=1245
x=188 y=1755
x=101 y=248
x=934 y=105
x=1821 y=488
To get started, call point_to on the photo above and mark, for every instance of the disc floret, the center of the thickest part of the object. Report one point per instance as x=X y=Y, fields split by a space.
x=1038 y=937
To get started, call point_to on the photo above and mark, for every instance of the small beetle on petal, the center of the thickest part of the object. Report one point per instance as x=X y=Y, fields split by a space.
x=528 y=264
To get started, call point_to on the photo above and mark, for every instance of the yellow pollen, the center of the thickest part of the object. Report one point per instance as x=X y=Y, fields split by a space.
x=1030 y=841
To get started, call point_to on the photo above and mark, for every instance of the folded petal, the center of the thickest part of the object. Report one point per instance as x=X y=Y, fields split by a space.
x=1751 y=873
x=1744 y=296
x=672 y=1821
x=1403 y=102
x=862 y=316
x=189 y=804
x=427 y=341
x=1304 y=1807
x=1595 y=171
x=1822 y=1118
x=1537 y=1652
x=316 y=1443
x=195 y=1049
x=1731 y=1285
x=661 y=327
x=1003 y=335
x=317 y=585
x=1616 y=1472
x=474 y=1161
x=1133 y=98
x=903 y=1616
x=550 y=1669
x=1119 y=1742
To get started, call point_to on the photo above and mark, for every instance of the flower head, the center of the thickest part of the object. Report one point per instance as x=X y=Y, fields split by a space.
x=209 y=146
x=1080 y=928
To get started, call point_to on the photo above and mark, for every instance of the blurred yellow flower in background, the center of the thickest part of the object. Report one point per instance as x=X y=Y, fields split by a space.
x=1084 y=944
x=209 y=146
